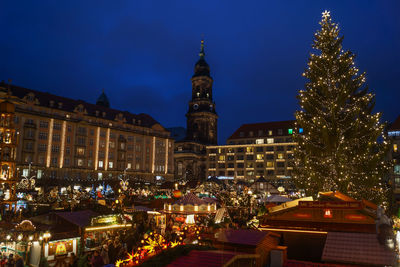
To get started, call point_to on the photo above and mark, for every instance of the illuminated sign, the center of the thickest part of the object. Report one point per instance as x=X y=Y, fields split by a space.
x=355 y=217
x=60 y=247
x=106 y=220
x=302 y=215
x=330 y=205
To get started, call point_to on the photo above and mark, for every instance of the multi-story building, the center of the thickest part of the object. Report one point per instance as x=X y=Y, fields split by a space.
x=254 y=151
x=71 y=139
x=190 y=156
x=394 y=155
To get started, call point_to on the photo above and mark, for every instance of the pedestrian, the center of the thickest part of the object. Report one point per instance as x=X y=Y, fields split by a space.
x=97 y=260
x=10 y=261
x=19 y=261
x=104 y=254
x=73 y=260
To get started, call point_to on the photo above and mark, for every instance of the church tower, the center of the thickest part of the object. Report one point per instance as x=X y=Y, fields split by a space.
x=202 y=117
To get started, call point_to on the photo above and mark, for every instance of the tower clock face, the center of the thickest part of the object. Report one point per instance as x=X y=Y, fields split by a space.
x=195 y=106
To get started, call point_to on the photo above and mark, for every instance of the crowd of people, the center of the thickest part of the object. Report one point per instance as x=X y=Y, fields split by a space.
x=11 y=260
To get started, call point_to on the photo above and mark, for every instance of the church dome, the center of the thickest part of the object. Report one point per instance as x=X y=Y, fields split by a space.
x=103 y=100
x=201 y=68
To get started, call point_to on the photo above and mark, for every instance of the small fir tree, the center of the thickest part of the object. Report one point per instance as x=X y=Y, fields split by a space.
x=337 y=134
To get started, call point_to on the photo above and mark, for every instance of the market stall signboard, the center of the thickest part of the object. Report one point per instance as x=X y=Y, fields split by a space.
x=60 y=248
x=107 y=220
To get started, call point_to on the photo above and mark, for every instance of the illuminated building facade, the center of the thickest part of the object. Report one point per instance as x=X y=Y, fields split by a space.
x=394 y=135
x=254 y=151
x=8 y=147
x=71 y=139
x=190 y=152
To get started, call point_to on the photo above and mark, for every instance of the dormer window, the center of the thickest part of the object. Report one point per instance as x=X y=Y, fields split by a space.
x=104 y=114
x=133 y=121
x=30 y=97
x=51 y=103
x=97 y=113
x=139 y=122
x=60 y=105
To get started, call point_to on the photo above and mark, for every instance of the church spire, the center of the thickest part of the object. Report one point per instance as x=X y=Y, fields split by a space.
x=103 y=100
x=202 y=54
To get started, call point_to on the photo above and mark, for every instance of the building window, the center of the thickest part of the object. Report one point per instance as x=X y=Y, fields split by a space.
x=57 y=126
x=111 y=144
x=80 y=151
x=250 y=173
x=280 y=164
x=39 y=174
x=249 y=149
x=56 y=137
x=68 y=139
x=43 y=124
x=54 y=161
x=129 y=165
x=270 y=164
x=66 y=161
x=249 y=157
x=260 y=149
x=239 y=157
x=270 y=140
x=55 y=148
x=42 y=147
x=249 y=165
x=240 y=165
x=42 y=135
x=180 y=168
x=270 y=132
x=280 y=131
x=396 y=169
x=260 y=156
x=221 y=157
x=394 y=147
x=80 y=162
x=241 y=134
x=100 y=176
x=259 y=141
x=110 y=164
x=100 y=164
x=251 y=133
x=290 y=131
x=280 y=156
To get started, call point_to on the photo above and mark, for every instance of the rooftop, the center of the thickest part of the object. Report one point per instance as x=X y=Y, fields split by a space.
x=255 y=130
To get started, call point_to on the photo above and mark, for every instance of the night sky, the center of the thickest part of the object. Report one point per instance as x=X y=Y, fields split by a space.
x=143 y=52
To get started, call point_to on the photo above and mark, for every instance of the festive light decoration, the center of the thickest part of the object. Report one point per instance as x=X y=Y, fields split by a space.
x=337 y=132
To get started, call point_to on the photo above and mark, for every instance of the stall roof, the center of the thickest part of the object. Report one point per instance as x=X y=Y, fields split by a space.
x=191 y=199
x=242 y=236
x=80 y=218
x=205 y=258
x=356 y=248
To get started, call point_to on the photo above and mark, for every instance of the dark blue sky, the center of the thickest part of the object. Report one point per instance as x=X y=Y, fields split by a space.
x=143 y=52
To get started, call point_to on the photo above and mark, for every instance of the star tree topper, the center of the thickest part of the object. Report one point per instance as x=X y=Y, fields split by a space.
x=326 y=14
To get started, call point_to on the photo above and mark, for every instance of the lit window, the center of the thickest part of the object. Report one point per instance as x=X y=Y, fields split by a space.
x=249 y=149
x=129 y=166
x=80 y=162
x=259 y=141
x=396 y=169
x=100 y=176
x=280 y=156
x=290 y=131
x=260 y=156
x=270 y=164
x=394 y=147
x=300 y=130
x=39 y=174
x=327 y=214
x=270 y=132
x=25 y=172
x=100 y=164
x=270 y=140
x=221 y=157
x=110 y=164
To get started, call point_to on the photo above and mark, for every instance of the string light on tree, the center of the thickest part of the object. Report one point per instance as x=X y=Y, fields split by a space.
x=339 y=148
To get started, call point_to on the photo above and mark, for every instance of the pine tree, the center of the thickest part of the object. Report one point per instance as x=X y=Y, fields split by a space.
x=337 y=134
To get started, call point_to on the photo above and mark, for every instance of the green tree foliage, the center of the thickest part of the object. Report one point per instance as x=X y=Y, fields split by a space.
x=339 y=148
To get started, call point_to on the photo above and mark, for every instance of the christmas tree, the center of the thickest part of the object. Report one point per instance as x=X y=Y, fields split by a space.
x=337 y=134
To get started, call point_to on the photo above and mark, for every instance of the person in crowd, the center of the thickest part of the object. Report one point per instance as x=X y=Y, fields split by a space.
x=73 y=260
x=10 y=261
x=97 y=260
x=104 y=254
x=19 y=261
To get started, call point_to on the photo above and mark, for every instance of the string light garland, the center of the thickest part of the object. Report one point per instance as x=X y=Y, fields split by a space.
x=339 y=148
